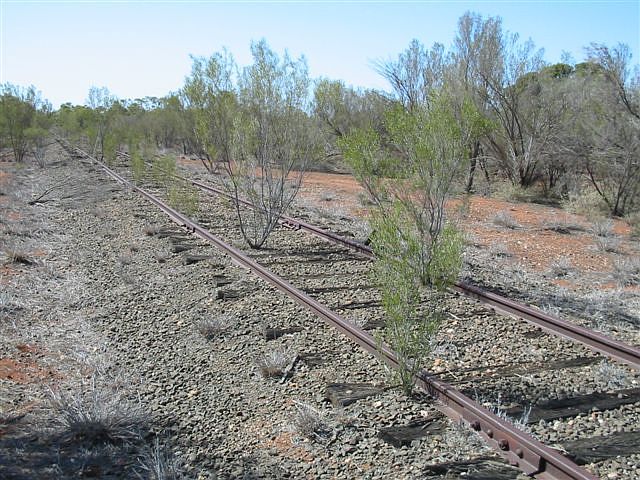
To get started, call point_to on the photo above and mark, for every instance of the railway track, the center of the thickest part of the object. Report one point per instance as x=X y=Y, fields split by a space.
x=556 y=326
x=596 y=341
x=518 y=447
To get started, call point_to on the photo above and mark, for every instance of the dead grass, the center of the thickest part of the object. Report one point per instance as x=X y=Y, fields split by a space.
x=602 y=227
x=96 y=413
x=626 y=271
x=560 y=267
x=18 y=256
x=158 y=463
x=310 y=423
x=505 y=219
x=212 y=327
x=608 y=244
x=274 y=363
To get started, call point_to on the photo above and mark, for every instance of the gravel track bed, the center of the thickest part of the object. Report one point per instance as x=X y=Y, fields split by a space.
x=140 y=305
x=206 y=396
x=467 y=339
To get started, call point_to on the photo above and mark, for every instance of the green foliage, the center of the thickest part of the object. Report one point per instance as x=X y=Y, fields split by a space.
x=20 y=109
x=408 y=332
x=343 y=109
x=429 y=153
x=446 y=257
x=558 y=70
x=163 y=169
x=138 y=167
x=363 y=152
x=211 y=93
x=110 y=146
x=136 y=158
x=263 y=124
x=183 y=197
x=409 y=175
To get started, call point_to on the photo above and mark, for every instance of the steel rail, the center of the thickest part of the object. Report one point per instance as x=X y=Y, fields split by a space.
x=519 y=448
x=596 y=341
x=554 y=325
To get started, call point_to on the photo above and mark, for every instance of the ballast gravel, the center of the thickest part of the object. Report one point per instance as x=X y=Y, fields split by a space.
x=207 y=397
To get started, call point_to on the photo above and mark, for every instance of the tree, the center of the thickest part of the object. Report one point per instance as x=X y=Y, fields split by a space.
x=474 y=35
x=340 y=109
x=210 y=94
x=409 y=183
x=38 y=133
x=605 y=133
x=274 y=141
x=343 y=109
x=416 y=74
x=502 y=64
x=100 y=102
x=18 y=108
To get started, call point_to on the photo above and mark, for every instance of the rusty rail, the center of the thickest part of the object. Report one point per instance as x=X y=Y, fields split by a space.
x=594 y=340
x=518 y=447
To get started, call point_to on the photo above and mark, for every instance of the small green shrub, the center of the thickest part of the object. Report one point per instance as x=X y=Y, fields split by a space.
x=109 y=148
x=183 y=198
x=588 y=203
x=163 y=169
x=138 y=167
x=409 y=330
x=634 y=222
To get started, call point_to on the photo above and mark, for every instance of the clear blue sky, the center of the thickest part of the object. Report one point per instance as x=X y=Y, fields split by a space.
x=142 y=48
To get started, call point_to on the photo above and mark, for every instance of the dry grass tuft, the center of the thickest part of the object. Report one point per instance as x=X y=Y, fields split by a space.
x=158 y=463
x=560 y=267
x=505 y=219
x=95 y=414
x=602 y=227
x=608 y=244
x=274 y=363
x=309 y=422
x=626 y=271
x=611 y=375
x=212 y=327
x=18 y=256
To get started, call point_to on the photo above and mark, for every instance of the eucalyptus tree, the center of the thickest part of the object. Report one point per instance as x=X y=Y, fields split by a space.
x=19 y=107
x=474 y=34
x=210 y=94
x=606 y=127
x=100 y=101
x=501 y=64
x=274 y=139
x=409 y=176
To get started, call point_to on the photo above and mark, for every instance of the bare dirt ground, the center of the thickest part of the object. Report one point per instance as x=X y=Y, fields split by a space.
x=531 y=242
